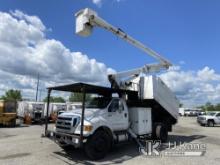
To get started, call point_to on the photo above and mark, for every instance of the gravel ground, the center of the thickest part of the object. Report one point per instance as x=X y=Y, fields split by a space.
x=24 y=146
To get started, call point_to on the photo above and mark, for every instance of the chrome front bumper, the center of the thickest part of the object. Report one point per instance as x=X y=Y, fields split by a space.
x=66 y=139
x=202 y=121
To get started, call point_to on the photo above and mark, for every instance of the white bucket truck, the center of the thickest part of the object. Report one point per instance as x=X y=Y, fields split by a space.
x=144 y=107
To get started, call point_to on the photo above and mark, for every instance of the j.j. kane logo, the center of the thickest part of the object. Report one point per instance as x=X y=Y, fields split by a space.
x=156 y=149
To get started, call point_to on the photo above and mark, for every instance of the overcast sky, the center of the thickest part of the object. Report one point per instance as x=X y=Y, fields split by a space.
x=38 y=37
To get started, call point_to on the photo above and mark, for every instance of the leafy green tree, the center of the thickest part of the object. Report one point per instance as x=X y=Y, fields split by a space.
x=217 y=107
x=55 y=99
x=77 y=97
x=12 y=95
x=202 y=107
x=209 y=107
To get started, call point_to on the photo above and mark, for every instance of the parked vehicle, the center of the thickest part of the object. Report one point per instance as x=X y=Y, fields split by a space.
x=8 y=113
x=181 y=111
x=55 y=109
x=191 y=112
x=33 y=111
x=73 y=105
x=135 y=107
x=210 y=119
x=201 y=113
x=110 y=120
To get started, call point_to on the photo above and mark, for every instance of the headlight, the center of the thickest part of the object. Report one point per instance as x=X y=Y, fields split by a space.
x=87 y=128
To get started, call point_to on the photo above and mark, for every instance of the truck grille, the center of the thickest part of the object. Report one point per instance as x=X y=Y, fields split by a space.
x=66 y=123
x=66 y=128
x=37 y=115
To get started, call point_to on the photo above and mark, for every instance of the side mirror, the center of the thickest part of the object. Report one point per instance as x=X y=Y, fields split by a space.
x=110 y=108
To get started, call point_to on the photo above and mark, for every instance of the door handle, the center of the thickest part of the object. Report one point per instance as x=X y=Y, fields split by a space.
x=125 y=115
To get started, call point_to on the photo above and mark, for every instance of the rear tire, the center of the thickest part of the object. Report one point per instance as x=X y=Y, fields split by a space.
x=98 y=145
x=161 y=132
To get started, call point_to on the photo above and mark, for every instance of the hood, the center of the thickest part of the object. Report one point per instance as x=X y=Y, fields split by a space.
x=209 y=116
x=89 y=112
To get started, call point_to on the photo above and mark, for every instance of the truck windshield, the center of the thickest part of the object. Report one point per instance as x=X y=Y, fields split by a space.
x=211 y=113
x=98 y=102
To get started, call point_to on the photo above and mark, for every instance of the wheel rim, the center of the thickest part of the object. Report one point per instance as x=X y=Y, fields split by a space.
x=100 y=144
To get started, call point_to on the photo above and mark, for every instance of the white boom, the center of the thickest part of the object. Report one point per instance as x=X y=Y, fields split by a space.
x=86 y=19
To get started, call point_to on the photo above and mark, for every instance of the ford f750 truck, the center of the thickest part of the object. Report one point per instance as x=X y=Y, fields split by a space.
x=137 y=106
x=113 y=116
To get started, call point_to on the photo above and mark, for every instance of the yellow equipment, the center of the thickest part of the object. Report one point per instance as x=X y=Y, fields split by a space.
x=8 y=113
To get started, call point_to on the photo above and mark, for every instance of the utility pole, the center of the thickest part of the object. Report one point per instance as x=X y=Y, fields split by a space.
x=38 y=77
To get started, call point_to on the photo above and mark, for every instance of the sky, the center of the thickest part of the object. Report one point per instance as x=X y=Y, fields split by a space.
x=38 y=36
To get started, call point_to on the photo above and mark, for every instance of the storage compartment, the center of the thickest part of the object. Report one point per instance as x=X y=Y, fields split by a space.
x=152 y=88
x=140 y=119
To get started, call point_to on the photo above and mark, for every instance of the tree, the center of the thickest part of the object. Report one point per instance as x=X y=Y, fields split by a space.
x=209 y=107
x=78 y=97
x=217 y=107
x=202 y=107
x=55 y=99
x=12 y=95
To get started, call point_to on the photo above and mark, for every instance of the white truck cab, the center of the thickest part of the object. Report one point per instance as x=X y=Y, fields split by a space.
x=105 y=118
x=111 y=113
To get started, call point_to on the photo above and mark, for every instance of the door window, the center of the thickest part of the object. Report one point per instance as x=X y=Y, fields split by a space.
x=116 y=105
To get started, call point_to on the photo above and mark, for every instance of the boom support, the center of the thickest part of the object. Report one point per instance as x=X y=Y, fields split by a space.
x=86 y=19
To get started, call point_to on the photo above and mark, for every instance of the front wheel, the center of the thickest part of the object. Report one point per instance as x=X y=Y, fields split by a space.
x=98 y=145
x=210 y=123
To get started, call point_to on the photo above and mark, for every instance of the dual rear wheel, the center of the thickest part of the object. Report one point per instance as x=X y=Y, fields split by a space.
x=160 y=132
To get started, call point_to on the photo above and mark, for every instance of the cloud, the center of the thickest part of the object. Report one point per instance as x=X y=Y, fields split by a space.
x=25 y=51
x=99 y=2
x=194 y=87
x=182 y=62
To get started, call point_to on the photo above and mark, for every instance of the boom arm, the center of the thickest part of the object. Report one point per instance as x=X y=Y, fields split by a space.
x=86 y=19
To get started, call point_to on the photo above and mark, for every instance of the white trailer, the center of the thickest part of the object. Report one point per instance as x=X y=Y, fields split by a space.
x=35 y=110
x=55 y=109
x=181 y=111
x=73 y=105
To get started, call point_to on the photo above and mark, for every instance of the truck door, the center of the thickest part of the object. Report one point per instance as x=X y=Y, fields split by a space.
x=118 y=115
x=218 y=118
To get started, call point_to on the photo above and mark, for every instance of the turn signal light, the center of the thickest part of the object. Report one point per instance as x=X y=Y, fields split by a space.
x=87 y=128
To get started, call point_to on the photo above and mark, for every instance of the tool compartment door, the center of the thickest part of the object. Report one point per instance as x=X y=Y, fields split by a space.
x=140 y=119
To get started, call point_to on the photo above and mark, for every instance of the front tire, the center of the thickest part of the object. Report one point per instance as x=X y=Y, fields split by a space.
x=98 y=145
x=210 y=123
